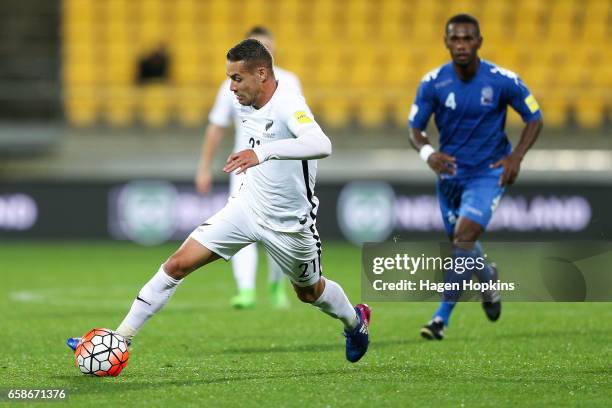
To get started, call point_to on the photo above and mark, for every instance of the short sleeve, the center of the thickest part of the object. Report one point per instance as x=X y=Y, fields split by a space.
x=423 y=105
x=221 y=113
x=521 y=100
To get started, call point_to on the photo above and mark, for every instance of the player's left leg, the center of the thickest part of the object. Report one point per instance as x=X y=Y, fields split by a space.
x=276 y=285
x=244 y=267
x=449 y=191
x=244 y=263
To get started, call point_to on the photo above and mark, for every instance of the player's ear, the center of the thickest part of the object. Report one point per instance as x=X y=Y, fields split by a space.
x=262 y=74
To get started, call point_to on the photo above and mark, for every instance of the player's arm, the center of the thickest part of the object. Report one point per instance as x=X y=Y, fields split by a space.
x=421 y=111
x=219 y=119
x=210 y=145
x=512 y=163
x=523 y=102
x=310 y=143
x=440 y=163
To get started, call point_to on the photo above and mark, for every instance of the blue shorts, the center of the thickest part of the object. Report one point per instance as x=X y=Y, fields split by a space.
x=474 y=196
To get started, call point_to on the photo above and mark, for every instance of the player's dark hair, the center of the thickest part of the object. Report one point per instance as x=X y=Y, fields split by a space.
x=463 y=19
x=259 y=31
x=252 y=52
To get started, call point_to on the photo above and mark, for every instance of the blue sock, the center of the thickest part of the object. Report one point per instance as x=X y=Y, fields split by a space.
x=485 y=274
x=444 y=311
x=450 y=297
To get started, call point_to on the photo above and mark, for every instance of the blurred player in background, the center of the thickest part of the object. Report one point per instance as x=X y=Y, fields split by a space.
x=244 y=263
x=475 y=163
x=274 y=205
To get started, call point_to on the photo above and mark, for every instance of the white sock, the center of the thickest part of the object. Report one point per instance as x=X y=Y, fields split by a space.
x=275 y=274
x=244 y=264
x=333 y=301
x=151 y=298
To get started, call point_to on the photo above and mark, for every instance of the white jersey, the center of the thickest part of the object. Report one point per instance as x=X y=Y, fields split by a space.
x=225 y=109
x=279 y=192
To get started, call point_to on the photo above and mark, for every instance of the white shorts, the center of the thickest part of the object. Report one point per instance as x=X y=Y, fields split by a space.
x=297 y=254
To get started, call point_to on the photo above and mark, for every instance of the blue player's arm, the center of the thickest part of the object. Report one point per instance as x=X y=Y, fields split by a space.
x=420 y=113
x=512 y=163
x=440 y=163
x=521 y=100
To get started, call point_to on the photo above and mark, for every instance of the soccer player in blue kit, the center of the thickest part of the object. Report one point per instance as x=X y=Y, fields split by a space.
x=468 y=98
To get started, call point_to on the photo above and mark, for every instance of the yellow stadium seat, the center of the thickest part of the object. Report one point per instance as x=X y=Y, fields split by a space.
x=400 y=113
x=589 y=112
x=155 y=105
x=459 y=6
x=373 y=110
x=335 y=112
x=193 y=106
x=341 y=50
x=118 y=105
x=601 y=76
x=555 y=110
x=80 y=73
x=78 y=10
x=81 y=105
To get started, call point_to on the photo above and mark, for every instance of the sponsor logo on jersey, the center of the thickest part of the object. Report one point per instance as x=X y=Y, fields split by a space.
x=302 y=117
x=269 y=124
x=532 y=104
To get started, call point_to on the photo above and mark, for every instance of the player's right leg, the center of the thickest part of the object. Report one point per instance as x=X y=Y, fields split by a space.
x=449 y=197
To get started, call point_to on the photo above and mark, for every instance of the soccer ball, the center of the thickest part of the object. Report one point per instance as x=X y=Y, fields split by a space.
x=101 y=352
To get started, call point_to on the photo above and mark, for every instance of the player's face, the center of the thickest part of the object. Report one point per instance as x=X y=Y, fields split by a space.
x=463 y=42
x=246 y=85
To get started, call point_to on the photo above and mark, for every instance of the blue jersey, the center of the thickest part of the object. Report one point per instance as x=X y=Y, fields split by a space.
x=471 y=116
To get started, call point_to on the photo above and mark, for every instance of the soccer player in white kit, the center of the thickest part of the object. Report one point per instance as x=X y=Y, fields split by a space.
x=275 y=204
x=224 y=111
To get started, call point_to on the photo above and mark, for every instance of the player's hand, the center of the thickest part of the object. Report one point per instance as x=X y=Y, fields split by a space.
x=442 y=163
x=512 y=166
x=203 y=181
x=241 y=161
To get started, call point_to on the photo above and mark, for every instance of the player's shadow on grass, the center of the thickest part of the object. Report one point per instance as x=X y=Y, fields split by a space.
x=309 y=348
x=78 y=385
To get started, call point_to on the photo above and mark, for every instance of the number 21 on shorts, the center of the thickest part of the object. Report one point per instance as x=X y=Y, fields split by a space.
x=309 y=268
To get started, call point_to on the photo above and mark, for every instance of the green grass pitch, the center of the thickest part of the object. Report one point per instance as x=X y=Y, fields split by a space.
x=200 y=352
